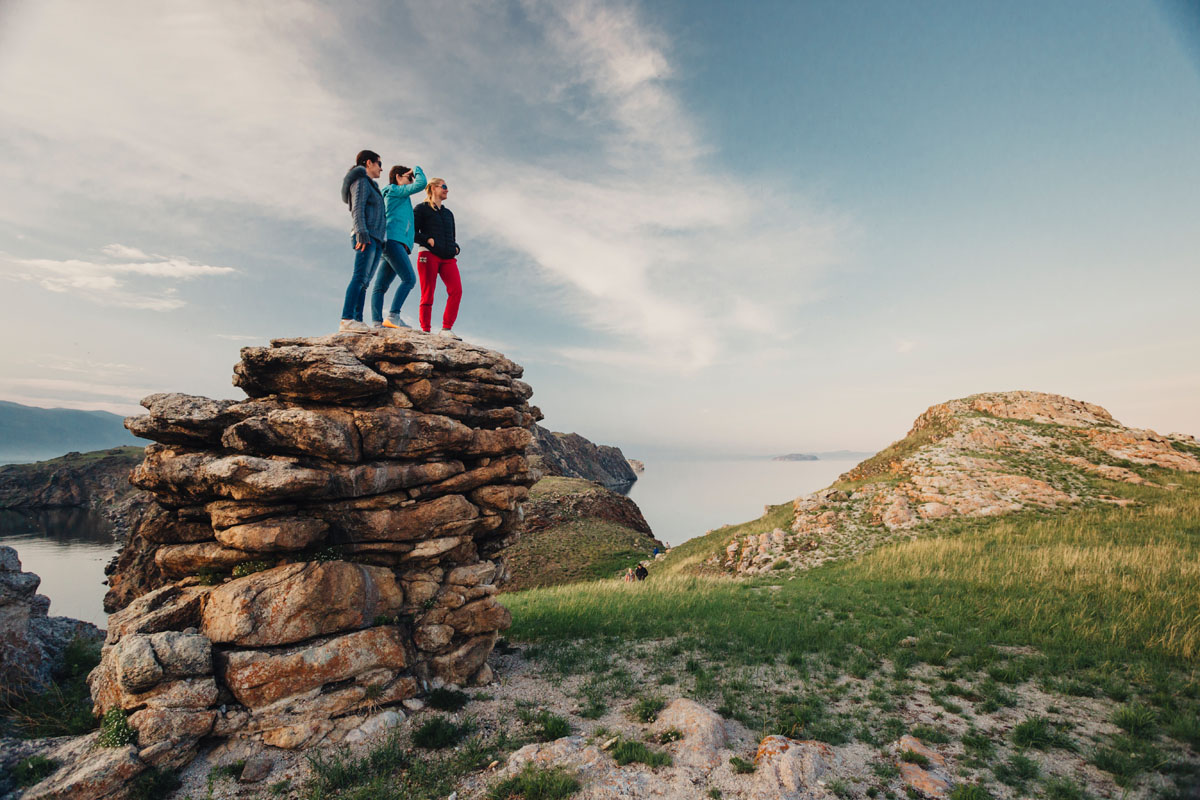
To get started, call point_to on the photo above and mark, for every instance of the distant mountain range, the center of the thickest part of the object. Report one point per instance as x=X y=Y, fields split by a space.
x=832 y=455
x=36 y=434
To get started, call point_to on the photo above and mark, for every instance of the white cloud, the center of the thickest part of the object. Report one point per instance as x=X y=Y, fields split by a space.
x=99 y=282
x=121 y=251
x=905 y=346
x=661 y=252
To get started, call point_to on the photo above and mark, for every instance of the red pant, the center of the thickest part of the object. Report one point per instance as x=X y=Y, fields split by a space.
x=429 y=267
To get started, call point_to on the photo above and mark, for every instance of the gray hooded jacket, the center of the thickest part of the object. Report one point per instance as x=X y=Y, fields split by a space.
x=366 y=204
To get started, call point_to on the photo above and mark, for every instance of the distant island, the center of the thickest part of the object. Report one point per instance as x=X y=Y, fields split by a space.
x=831 y=455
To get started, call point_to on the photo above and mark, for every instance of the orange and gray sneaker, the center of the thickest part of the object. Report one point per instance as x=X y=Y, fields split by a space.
x=395 y=322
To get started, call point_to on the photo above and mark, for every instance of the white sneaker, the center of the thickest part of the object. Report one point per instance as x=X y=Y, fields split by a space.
x=449 y=334
x=352 y=326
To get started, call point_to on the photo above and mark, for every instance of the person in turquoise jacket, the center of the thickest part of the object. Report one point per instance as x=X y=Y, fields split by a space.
x=402 y=184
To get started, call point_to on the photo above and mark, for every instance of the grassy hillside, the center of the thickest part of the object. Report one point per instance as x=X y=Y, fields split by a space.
x=1056 y=652
x=578 y=542
x=32 y=434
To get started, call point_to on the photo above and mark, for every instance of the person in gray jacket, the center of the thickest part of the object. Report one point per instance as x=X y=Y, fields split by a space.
x=361 y=193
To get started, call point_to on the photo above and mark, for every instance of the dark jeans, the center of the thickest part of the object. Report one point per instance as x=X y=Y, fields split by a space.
x=395 y=263
x=365 y=262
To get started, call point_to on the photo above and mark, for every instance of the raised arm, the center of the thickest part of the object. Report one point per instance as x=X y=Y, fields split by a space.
x=419 y=182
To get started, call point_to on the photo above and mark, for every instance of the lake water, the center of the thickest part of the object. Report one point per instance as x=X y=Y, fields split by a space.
x=69 y=549
x=681 y=499
x=687 y=498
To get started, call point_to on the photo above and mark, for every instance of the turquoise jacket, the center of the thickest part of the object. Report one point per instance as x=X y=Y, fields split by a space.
x=399 y=208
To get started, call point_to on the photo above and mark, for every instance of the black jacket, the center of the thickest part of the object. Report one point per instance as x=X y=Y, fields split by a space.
x=436 y=224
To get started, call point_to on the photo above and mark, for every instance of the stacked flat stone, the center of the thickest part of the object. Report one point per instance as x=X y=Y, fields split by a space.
x=319 y=550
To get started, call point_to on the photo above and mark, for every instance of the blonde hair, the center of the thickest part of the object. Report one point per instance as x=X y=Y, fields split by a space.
x=429 y=187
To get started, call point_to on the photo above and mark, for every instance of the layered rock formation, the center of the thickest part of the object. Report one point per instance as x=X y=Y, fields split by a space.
x=320 y=550
x=569 y=455
x=77 y=480
x=31 y=641
x=984 y=455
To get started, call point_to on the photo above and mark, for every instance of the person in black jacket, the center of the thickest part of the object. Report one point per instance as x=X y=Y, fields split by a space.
x=439 y=250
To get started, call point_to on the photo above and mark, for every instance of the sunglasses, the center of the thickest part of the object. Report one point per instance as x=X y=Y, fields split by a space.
x=442 y=186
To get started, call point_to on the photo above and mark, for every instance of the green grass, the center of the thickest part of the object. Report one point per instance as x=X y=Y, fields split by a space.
x=1017 y=771
x=391 y=771
x=64 y=708
x=33 y=770
x=741 y=766
x=688 y=558
x=438 y=732
x=1041 y=734
x=546 y=727
x=580 y=550
x=1096 y=586
x=1100 y=600
x=626 y=751
x=444 y=699
x=646 y=708
x=536 y=783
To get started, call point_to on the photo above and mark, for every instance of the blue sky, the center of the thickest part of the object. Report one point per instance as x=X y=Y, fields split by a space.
x=750 y=228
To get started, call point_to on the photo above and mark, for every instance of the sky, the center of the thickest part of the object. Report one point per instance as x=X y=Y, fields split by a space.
x=701 y=227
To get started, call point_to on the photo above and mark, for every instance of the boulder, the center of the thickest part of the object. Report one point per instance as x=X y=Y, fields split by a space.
x=792 y=770
x=482 y=615
x=182 y=419
x=91 y=772
x=274 y=534
x=329 y=434
x=464 y=661
x=703 y=733
x=403 y=433
x=321 y=373
x=300 y=601
x=450 y=515
x=260 y=677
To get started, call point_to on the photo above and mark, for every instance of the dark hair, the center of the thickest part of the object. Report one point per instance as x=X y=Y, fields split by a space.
x=396 y=172
x=364 y=156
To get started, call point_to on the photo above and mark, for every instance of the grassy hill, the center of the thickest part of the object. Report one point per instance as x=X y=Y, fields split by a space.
x=1050 y=650
x=576 y=530
x=33 y=434
x=1081 y=627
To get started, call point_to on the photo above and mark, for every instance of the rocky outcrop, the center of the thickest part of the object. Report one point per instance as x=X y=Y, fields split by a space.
x=576 y=530
x=31 y=641
x=321 y=549
x=99 y=480
x=569 y=455
x=562 y=501
x=984 y=455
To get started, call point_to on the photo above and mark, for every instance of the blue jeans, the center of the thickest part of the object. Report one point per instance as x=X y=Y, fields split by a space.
x=365 y=262
x=395 y=263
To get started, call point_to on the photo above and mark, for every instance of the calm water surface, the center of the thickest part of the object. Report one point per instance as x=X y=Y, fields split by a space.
x=680 y=499
x=685 y=499
x=68 y=548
